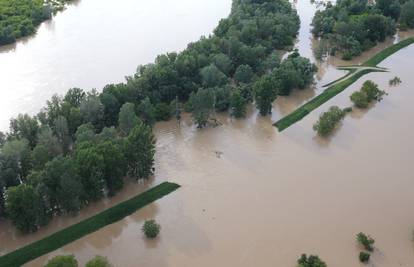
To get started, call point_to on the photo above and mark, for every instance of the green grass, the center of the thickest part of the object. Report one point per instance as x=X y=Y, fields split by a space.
x=379 y=57
x=336 y=88
x=85 y=227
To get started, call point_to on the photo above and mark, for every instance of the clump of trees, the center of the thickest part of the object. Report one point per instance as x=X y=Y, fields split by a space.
x=310 y=261
x=329 y=120
x=70 y=261
x=364 y=257
x=368 y=93
x=20 y=18
x=395 y=81
x=151 y=229
x=367 y=242
x=68 y=156
x=352 y=26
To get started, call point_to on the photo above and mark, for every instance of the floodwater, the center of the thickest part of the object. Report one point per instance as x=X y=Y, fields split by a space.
x=96 y=42
x=251 y=196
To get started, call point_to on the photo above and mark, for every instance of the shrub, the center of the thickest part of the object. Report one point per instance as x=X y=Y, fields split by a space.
x=163 y=112
x=366 y=241
x=311 y=261
x=62 y=261
x=360 y=99
x=395 y=81
x=151 y=228
x=98 y=261
x=328 y=121
x=364 y=256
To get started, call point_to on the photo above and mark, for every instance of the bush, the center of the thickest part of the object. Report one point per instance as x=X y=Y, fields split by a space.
x=368 y=93
x=98 y=261
x=360 y=99
x=151 y=228
x=62 y=261
x=366 y=241
x=163 y=112
x=328 y=121
x=311 y=261
x=364 y=257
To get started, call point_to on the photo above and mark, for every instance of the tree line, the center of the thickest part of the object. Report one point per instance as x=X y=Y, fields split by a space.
x=79 y=146
x=353 y=26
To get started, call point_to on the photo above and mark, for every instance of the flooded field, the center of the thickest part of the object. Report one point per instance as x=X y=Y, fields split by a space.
x=251 y=196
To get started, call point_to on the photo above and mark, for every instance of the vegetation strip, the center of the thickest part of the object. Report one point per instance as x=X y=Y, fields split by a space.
x=337 y=88
x=85 y=227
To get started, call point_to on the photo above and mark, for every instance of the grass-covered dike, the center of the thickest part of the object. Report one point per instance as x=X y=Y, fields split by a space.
x=336 y=88
x=85 y=227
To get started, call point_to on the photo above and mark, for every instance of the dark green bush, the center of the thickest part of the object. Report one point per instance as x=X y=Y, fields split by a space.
x=151 y=228
x=328 y=121
x=364 y=257
x=311 y=261
x=366 y=241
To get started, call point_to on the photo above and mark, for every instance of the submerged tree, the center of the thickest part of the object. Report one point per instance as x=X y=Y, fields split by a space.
x=265 y=92
x=202 y=104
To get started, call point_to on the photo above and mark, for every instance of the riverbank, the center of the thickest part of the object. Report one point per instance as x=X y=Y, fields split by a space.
x=341 y=84
x=90 y=225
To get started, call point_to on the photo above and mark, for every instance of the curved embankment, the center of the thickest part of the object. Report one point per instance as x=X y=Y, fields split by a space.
x=335 y=87
x=85 y=227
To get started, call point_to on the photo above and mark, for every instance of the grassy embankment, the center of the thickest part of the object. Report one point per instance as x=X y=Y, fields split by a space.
x=336 y=88
x=85 y=227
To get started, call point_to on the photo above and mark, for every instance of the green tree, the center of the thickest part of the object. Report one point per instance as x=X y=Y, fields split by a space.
x=85 y=133
x=328 y=121
x=265 y=92
x=151 y=229
x=147 y=111
x=139 y=151
x=62 y=132
x=62 y=185
x=311 y=261
x=25 y=127
x=364 y=257
x=360 y=99
x=114 y=165
x=92 y=110
x=163 y=111
x=62 y=261
x=202 y=104
x=223 y=63
x=18 y=153
x=407 y=14
x=237 y=105
x=98 y=261
x=75 y=96
x=25 y=208
x=244 y=74
x=212 y=76
x=127 y=118
x=91 y=168
x=366 y=241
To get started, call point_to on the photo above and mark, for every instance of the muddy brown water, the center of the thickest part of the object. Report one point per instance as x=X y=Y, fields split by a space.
x=251 y=196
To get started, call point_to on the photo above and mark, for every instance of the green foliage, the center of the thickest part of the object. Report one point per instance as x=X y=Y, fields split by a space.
x=328 y=121
x=368 y=93
x=244 y=74
x=62 y=261
x=25 y=127
x=311 y=261
x=85 y=227
x=407 y=14
x=163 y=112
x=364 y=257
x=202 y=104
x=237 y=105
x=127 y=118
x=90 y=166
x=354 y=26
x=366 y=241
x=139 y=151
x=151 y=229
x=395 y=81
x=212 y=76
x=98 y=261
x=265 y=91
x=25 y=208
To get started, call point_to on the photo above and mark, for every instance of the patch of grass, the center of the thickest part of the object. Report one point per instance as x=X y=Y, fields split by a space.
x=85 y=227
x=336 y=88
x=379 y=57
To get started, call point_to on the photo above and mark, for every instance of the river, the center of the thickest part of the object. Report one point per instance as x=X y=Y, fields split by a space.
x=251 y=196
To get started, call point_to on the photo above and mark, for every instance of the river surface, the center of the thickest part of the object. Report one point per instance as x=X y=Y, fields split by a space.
x=251 y=196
